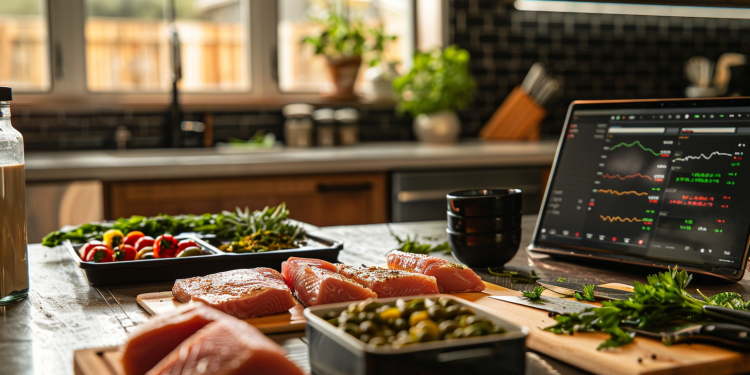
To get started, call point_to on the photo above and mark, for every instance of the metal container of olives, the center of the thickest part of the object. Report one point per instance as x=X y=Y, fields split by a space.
x=334 y=351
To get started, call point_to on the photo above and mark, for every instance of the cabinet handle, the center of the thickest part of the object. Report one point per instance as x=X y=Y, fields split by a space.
x=344 y=188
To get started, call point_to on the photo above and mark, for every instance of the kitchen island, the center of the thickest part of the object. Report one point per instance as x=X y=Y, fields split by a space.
x=64 y=313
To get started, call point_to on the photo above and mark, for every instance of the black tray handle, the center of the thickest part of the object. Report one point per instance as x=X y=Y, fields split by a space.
x=464 y=354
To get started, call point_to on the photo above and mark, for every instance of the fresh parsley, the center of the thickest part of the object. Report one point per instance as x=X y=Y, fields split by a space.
x=588 y=293
x=535 y=294
x=654 y=306
x=562 y=279
x=412 y=245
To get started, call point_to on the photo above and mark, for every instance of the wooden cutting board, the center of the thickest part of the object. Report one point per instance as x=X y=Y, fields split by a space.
x=643 y=356
x=291 y=321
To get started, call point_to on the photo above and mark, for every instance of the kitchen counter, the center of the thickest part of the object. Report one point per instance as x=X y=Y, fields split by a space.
x=203 y=163
x=64 y=313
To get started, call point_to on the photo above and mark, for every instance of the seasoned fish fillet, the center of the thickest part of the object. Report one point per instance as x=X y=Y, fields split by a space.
x=451 y=277
x=226 y=347
x=390 y=283
x=316 y=282
x=244 y=293
x=156 y=338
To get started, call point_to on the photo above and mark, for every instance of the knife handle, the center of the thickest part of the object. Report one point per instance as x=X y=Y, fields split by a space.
x=732 y=335
x=728 y=315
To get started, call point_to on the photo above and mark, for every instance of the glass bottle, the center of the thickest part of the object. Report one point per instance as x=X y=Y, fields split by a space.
x=14 y=265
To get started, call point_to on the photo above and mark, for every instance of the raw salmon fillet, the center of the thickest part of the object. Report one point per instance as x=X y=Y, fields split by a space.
x=451 y=277
x=390 y=283
x=156 y=338
x=245 y=293
x=316 y=282
x=227 y=347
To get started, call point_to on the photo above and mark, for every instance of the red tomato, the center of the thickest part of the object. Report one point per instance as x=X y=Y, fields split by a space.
x=84 y=250
x=100 y=254
x=184 y=244
x=125 y=252
x=165 y=246
x=144 y=242
x=132 y=238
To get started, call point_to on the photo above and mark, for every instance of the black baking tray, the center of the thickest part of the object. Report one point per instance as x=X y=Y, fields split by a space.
x=170 y=269
x=335 y=352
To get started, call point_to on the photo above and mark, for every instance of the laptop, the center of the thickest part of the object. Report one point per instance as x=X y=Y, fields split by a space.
x=658 y=183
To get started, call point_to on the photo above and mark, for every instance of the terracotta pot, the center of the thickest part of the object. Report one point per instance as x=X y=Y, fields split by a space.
x=439 y=127
x=343 y=73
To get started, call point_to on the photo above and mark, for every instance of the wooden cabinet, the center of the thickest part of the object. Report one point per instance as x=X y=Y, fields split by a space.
x=322 y=200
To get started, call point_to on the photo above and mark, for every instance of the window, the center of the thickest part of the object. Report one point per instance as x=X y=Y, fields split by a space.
x=24 y=45
x=301 y=71
x=128 y=45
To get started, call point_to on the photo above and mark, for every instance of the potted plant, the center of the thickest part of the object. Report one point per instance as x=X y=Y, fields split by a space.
x=342 y=43
x=438 y=84
x=382 y=68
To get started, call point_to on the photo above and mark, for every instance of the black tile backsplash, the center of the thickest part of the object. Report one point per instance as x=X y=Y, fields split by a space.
x=599 y=56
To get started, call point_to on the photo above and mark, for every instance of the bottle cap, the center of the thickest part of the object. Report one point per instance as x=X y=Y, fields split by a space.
x=6 y=94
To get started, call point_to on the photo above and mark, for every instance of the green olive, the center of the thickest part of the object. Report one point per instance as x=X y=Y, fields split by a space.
x=400 y=324
x=477 y=329
x=391 y=339
x=365 y=337
x=351 y=329
x=353 y=308
x=369 y=305
x=331 y=315
x=402 y=334
x=352 y=318
x=369 y=328
x=465 y=310
x=334 y=321
x=429 y=302
x=447 y=327
x=452 y=311
x=387 y=332
x=445 y=302
x=436 y=312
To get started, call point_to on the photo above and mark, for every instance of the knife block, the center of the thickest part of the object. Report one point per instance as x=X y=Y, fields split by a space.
x=518 y=119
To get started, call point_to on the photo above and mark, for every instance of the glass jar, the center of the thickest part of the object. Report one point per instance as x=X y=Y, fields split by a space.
x=14 y=265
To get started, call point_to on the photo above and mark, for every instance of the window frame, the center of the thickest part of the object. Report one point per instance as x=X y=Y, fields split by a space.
x=68 y=90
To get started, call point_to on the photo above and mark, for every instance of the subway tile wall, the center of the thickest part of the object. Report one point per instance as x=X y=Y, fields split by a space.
x=599 y=56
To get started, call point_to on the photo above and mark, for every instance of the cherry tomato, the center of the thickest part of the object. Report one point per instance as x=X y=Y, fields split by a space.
x=84 y=250
x=144 y=242
x=100 y=254
x=184 y=244
x=132 y=238
x=165 y=246
x=125 y=252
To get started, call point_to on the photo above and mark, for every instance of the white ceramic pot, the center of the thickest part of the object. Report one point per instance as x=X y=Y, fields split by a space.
x=438 y=127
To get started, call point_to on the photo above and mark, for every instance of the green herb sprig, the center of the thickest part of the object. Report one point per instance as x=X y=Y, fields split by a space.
x=412 y=245
x=535 y=294
x=588 y=293
x=562 y=279
x=656 y=305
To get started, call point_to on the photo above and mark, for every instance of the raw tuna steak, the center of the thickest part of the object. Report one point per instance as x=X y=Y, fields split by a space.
x=316 y=282
x=226 y=347
x=156 y=338
x=451 y=277
x=391 y=283
x=245 y=293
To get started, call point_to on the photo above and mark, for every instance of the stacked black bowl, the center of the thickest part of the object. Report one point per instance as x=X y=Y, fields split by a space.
x=484 y=226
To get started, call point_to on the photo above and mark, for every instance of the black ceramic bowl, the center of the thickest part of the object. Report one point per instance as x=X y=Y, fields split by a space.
x=485 y=202
x=464 y=224
x=484 y=250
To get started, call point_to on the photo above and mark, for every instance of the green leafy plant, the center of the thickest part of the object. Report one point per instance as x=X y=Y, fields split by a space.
x=412 y=245
x=588 y=293
x=654 y=306
x=438 y=81
x=341 y=38
x=535 y=294
x=380 y=39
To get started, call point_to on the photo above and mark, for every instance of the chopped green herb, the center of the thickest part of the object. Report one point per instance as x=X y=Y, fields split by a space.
x=588 y=293
x=562 y=280
x=412 y=245
x=516 y=277
x=654 y=306
x=535 y=294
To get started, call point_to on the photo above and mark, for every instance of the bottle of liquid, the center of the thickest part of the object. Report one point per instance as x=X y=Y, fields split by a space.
x=14 y=265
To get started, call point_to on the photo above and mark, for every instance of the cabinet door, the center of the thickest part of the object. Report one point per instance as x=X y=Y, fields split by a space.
x=321 y=200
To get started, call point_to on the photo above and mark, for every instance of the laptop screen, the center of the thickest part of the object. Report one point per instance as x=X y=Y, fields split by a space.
x=652 y=181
